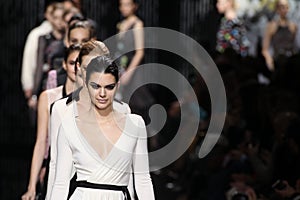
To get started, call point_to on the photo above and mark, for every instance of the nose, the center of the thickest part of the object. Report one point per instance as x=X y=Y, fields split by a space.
x=102 y=92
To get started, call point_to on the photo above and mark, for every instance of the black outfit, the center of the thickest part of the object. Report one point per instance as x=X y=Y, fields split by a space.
x=50 y=56
x=283 y=42
x=141 y=100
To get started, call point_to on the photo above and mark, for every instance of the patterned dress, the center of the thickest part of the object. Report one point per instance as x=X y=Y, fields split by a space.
x=232 y=34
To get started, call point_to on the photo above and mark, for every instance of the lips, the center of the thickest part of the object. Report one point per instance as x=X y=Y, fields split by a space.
x=102 y=101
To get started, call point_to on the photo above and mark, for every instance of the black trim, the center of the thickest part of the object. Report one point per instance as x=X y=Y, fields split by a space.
x=73 y=95
x=86 y=184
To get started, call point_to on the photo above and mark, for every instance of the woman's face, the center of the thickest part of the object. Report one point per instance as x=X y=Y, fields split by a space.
x=102 y=88
x=222 y=6
x=127 y=7
x=57 y=20
x=69 y=66
x=79 y=36
x=283 y=8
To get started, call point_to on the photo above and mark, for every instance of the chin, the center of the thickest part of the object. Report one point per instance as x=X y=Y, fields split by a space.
x=102 y=106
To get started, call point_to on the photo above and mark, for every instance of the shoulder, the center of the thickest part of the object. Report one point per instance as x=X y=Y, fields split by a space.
x=60 y=102
x=43 y=99
x=51 y=95
x=55 y=90
x=136 y=125
x=54 y=93
x=121 y=106
x=136 y=120
x=272 y=26
x=293 y=27
x=44 y=28
x=58 y=105
x=138 y=23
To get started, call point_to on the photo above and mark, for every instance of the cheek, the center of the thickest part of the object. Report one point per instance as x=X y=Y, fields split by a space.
x=71 y=68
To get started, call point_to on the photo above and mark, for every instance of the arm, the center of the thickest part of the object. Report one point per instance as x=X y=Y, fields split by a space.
x=55 y=122
x=40 y=146
x=266 y=45
x=139 y=52
x=64 y=166
x=143 y=183
x=29 y=62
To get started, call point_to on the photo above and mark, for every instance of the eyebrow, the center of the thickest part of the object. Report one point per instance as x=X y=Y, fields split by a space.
x=96 y=84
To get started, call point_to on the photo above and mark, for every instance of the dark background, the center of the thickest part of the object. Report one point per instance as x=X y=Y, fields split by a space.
x=195 y=18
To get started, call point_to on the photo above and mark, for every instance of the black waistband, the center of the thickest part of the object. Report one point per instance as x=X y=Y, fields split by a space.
x=86 y=184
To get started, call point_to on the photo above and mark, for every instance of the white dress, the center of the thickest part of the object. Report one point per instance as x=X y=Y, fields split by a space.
x=128 y=153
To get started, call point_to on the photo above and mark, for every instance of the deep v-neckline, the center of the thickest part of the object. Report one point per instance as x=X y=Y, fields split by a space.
x=90 y=148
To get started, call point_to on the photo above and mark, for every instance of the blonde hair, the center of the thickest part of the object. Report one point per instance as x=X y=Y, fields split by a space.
x=278 y=2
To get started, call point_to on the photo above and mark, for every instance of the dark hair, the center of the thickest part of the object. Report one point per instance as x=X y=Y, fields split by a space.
x=102 y=64
x=71 y=49
x=82 y=24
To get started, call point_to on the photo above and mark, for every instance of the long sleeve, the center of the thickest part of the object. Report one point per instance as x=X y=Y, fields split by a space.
x=143 y=183
x=30 y=54
x=64 y=166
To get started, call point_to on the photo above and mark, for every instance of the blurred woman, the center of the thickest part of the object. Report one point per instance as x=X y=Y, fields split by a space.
x=131 y=36
x=40 y=155
x=232 y=31
x=280 y=34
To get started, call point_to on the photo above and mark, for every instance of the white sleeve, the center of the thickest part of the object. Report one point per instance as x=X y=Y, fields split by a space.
x=64 y=164
x=55 y=122
x=29 y=60
x=143 y=182
x=130 y=187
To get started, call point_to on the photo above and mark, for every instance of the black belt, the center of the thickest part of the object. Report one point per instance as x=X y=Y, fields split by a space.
x=86 y=184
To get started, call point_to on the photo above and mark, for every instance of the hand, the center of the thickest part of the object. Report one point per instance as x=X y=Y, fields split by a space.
x=287 y=192
x=250 y=193
x=29 y=195
x=270 y=63
x=42 y=174
x=32 y=102
x=28 y=93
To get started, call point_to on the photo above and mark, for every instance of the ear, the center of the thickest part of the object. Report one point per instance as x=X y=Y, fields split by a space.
x=64 y=65
x=136 y=6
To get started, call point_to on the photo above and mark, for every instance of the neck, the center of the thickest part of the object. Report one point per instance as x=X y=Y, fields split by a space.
x=283 y=19
x=103 y=116
x=84 y=95
x=230 y=14
x=58 y=35
x=70 y=86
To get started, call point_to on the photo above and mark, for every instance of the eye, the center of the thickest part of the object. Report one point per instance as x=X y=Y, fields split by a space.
x=110 y=87
x=94 y=85
x=74 y=41
x=72 y=62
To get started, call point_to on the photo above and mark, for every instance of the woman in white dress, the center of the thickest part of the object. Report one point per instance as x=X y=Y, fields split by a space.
x=103 y=145
x=47 y=97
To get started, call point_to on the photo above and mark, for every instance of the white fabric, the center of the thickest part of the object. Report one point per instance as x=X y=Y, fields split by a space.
x=53 y=95
x=73 y=151
x=60 y=109
x=29 y=61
